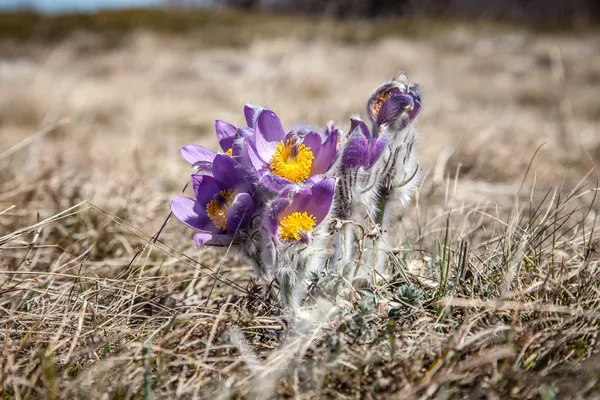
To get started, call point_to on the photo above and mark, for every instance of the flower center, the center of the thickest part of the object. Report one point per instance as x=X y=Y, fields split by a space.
x=217 y=208
x=229 y=152
x=294 y=225
x=292 y=161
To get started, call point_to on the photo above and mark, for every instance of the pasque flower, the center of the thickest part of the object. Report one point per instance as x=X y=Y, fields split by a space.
x=392 y=109
x=272 y=193
x=293 y=237
x=282 y=159
x=222 y=207
x=292 y=217
x=394 y=103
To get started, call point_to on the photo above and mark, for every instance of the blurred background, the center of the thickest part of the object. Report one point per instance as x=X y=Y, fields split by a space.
x=99 y=95
x=532 y=10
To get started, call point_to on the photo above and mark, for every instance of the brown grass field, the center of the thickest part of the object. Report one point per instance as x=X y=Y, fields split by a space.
x=499 y=243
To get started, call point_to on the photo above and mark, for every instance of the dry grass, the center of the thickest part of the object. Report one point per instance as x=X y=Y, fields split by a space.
x=499 y=245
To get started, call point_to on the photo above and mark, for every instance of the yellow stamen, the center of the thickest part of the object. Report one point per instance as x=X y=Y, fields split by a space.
x=229 y=152
x=291 y=161
x=217 y=208
x=294 y=224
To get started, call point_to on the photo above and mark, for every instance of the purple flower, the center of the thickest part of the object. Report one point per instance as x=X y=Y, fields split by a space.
x=222 y=207
x=293 y=216
x=201 y=157
x=362 y=149
x=393 y=100
x=282 y=159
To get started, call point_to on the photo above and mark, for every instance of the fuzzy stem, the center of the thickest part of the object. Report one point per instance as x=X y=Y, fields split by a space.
x=286 y=290
x=379 y=244
x=348 y=239
x=380 y=210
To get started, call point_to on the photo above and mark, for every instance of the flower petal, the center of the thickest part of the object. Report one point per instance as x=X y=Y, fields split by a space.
x=321 y=198
x=273 y=214
x=203 y=167
x=274 y=183
x=254 y=158
x=225 y=171
x=192 y=214
x=299 y=203
x=313 y=180
x=313 y=141
x=212 y=239
x=394 y=108
x=269 y=126
x=292 y=135
x=225 y=134
x=247 y=134
x=264 y=148
x=251 y=113
x=325 y=154
x=376 y=149
x=358 y=124
x=356 y=151
x=205 y=188
x=243 y=139
x=239 y=212
x=194 y=153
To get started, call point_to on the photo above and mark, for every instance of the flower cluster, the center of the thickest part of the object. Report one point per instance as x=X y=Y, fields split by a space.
x=271 y=193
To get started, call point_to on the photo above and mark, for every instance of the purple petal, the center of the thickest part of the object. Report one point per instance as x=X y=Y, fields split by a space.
x=247 y=134
x=300 y=201
x=204 y=167
x=205 y=188
x=194 y=153
x=212 y=239
x=254 y=158
x=394 y=108
x=264 y=148
x=313 y=180
x=325 y=154
x=273 y=214
x=291 y=135
x=313 y=141
x=356 y=152
x=269 y=126
x=192 y=214
x=251 y=113
x=376 y=149
x=225 y=134
x=224 y=170
x=321 y=198
x=274 y=183
x=239 y=151
x=357 y=124
x=239 y=212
